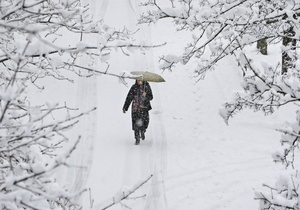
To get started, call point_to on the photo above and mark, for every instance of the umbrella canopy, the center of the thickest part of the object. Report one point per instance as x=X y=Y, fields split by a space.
x=148 y=76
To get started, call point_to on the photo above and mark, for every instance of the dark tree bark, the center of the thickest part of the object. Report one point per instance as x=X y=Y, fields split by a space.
x=262 y=46
x=287 y=61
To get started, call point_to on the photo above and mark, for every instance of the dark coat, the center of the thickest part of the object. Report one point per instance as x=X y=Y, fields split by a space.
x=134 y=91
x=140 y=116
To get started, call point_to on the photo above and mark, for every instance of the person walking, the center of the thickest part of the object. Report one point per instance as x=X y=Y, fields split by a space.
x=140 y=94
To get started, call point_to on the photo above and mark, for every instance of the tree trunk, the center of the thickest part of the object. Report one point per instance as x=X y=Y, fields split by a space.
x=262 y=46
x=287 y=61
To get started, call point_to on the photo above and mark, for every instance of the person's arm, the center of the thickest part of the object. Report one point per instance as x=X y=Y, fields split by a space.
x=128 y=100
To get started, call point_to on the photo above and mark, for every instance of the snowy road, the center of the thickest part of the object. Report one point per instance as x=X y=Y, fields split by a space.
x=157 y=198
x=107 y=136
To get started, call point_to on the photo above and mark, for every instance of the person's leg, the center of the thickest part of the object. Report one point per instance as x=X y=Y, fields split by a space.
x=143 y=134
x=135 y=128
x=137 y=136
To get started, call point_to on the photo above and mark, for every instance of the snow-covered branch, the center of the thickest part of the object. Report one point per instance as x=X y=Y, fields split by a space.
x=284 y=195
x=265 y=88
x=228 y=26
x=123 y=195
x=29 y=140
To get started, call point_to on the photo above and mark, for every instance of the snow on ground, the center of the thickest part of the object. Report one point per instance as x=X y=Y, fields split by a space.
x=212 y=165
x=197 y=161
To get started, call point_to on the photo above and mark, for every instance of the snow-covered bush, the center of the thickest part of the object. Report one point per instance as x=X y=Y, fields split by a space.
x=29 y=137
x=38 y=39
x=232 y=28
x=284 y=195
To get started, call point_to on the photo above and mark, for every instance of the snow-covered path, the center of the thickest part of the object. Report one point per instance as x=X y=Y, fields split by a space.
x=117 y=163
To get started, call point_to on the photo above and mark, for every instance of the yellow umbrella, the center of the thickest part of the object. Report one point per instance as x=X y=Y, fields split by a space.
x=148 y=76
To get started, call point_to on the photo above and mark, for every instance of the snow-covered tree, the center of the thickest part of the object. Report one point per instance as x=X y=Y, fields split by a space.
x=221 y=28
x=38 y=39
x=231 y=28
